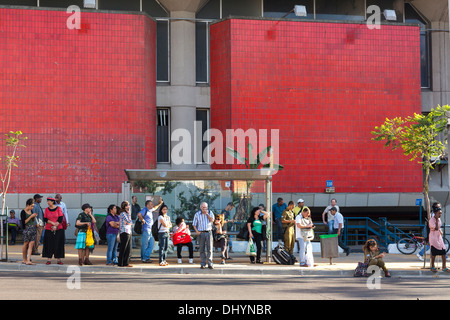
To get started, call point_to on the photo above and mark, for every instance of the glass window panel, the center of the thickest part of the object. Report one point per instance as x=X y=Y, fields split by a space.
x=210 y=11
x=279 y=8
x=162 y=50
x=247 y=8
x=162 y=135
x=153 y=8
x=348 y=10
x=201 y=51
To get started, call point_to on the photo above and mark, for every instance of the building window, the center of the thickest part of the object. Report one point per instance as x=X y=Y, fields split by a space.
x=411 y=16
x=202 y=51
x=162 y=136
x=202 y=118
x=281 y=8
x=349 y=10
x=130 y=5
x=247 y=8
x=387 y=4
x=162 y=50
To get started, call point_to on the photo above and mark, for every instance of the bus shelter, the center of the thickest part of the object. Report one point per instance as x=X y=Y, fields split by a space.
x=244 y=181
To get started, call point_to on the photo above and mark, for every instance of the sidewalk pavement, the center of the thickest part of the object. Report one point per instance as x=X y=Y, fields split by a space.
x=398 y=264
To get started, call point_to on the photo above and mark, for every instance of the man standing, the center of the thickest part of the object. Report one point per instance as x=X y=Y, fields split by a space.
x=277 y=210
x=147 y=240
x=202 y=223
x=330 y=217
x=39 y=222
x=226 y=219
x=135 y=209
x=288 y=220
x=338 y=227
x=299 y=208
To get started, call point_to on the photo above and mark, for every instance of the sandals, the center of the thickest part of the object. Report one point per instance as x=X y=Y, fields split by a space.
x=433 y=269
x=445 y=270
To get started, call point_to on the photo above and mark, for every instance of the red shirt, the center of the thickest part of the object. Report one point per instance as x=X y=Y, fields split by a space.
x=53 y=215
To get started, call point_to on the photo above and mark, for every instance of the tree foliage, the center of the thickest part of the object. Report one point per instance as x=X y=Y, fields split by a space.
x=418 y=137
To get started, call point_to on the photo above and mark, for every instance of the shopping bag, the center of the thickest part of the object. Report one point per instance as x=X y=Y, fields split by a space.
x=251 y=250
x=89 y=237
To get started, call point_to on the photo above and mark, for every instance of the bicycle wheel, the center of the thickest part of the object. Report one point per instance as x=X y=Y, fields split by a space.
x=407 y=245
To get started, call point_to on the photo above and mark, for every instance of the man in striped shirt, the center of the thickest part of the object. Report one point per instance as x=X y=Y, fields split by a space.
x=202 y=223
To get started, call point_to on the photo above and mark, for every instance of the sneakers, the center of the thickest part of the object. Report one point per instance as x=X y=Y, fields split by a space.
x=180 y=261
x=191 y=261
x=163 y=264
x=419 y=256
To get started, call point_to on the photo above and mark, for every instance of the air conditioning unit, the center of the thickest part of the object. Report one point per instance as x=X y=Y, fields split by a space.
x=90 y=4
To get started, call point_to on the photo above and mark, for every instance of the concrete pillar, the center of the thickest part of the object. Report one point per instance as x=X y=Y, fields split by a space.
x=183 y=71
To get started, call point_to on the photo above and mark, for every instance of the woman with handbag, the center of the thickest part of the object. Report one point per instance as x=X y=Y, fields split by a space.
x=182 y=237
x=85 y=239
x=304 y=234
x=29 y=231
x=254 y=225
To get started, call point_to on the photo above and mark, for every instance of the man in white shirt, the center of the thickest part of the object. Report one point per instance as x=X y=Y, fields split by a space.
x=330 y=217
x=338 y=227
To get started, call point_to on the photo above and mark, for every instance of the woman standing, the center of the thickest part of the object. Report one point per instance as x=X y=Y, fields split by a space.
x=436 y=241
x=112 y=230
x=54 y=233
x=220 y=238
x=164 y=226
x=125 y=230
x=254 y=225
x=85 y=239
x=304 y=235
x=29 y=231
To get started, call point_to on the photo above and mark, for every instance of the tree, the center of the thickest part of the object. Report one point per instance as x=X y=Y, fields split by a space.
x=418 y=137
x=13 y=142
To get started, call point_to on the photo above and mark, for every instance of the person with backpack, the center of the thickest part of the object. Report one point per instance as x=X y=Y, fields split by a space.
x=145 y=216
x=112 y=224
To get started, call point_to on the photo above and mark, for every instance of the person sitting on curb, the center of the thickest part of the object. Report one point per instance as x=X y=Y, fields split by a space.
x=373 y=257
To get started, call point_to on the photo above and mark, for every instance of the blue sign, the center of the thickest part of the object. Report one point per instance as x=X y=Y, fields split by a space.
x=418 y=202
x=329 y=183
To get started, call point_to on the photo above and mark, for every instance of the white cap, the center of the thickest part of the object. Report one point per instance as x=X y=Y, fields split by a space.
x=300 y=200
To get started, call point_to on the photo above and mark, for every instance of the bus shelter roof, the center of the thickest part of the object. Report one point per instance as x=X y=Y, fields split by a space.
x=200 y=174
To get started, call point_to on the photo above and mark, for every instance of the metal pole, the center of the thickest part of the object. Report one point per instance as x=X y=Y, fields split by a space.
x=269 y=219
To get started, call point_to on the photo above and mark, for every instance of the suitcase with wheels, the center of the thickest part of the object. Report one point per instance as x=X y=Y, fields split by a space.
x=281 y=256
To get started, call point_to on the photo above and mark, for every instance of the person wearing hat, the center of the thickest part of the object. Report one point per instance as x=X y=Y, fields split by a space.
x=39 y=222
x=288 y=220
x=298 y=210
x=85 y=239
x=54 y=233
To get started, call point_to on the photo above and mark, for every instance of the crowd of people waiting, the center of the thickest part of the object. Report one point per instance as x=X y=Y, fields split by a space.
x=293 y=225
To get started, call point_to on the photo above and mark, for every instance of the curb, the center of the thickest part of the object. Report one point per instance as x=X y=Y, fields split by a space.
x=195 y=270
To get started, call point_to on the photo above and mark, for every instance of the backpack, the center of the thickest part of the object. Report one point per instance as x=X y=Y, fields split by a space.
x=102 y=231
x=155 y=230
x=138 y=224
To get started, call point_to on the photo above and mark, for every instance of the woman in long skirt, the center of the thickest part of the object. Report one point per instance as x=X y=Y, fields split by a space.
x=54 y=232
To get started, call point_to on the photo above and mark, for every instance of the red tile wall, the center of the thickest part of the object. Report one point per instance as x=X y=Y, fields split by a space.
x=325 y=86
x=86 y=99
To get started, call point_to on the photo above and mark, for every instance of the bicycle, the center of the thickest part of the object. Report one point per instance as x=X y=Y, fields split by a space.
x=409 y=245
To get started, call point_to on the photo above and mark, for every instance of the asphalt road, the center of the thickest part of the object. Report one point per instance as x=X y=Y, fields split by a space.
x=124 y=286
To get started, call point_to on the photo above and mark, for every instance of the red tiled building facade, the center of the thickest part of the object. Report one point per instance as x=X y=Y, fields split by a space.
x=325 y=86
x=85 y=98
